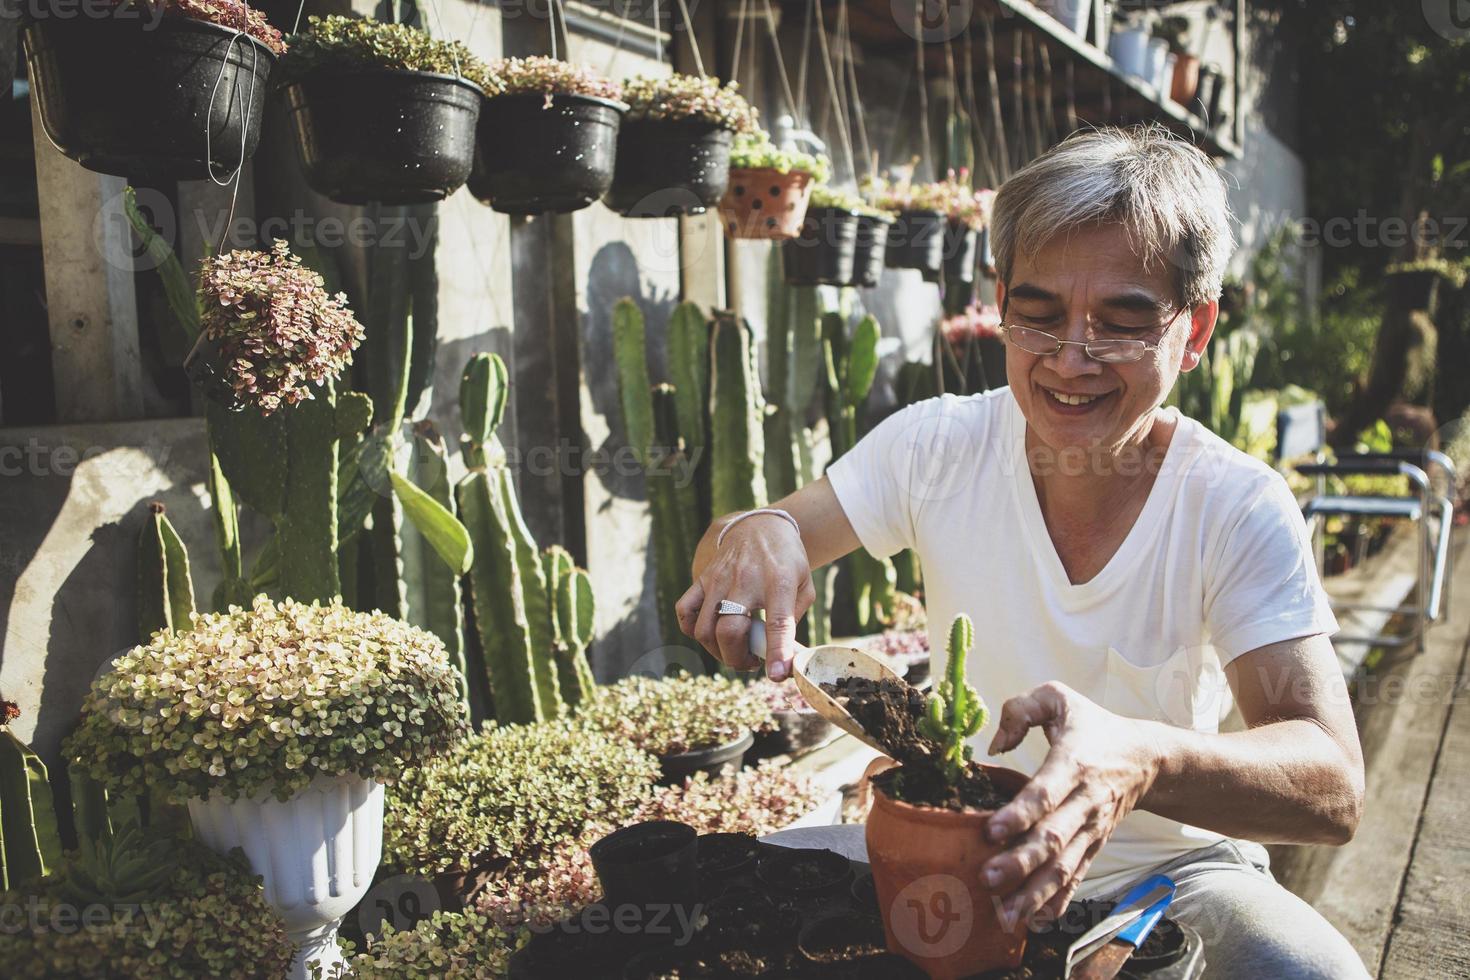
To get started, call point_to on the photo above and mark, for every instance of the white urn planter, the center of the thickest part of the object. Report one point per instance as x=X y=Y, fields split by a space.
x=317 y=851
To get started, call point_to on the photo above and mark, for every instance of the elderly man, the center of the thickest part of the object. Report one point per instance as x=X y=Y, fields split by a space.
x=1121 y=564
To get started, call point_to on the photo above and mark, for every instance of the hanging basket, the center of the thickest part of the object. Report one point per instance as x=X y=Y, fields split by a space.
x=961 y=252
x=762 y=202
x=390 y=136
x=535 y=156
x=669 y=167
x=916 y=241
x=154 y=103
x=824 y=252
x=872 y=243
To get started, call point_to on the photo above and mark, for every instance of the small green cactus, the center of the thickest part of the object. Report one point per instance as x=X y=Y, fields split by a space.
x=955 y=711
x=165 y=590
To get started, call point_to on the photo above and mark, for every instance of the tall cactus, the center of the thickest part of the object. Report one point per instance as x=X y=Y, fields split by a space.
x=737 y=437
x=571 y=624
x=434 y=593
x=955 y=712
x=29 y=842
x=165 y=588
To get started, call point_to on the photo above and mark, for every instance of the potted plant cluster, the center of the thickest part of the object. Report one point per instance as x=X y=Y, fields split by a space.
x=674 y=146
x=927 y=826
x=758 y=800
x=548 y=136
x=690 y=723
x=825 y=253
x=769 y=188
x=463 y=945
x=154 y=98
x=269 y=331
x=170 y=909
x=799 y=728
x=909 y=647
x=508 y=793
x=277 y=725
x=381 y=111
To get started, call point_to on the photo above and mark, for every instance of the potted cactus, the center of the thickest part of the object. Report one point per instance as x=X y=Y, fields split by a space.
x=926 y=832
x=547 y=138
x=769 y=188
x=196 y=74
x=674 y=146
x=268 y=722
x=693 y=724
x=152 y=907
x=252 y=349
x=382 y=112
x=825 y=252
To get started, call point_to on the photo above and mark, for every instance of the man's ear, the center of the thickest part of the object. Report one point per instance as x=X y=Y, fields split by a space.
x=1201 y=329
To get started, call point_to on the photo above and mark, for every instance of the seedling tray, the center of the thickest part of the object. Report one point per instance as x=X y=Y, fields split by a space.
x=757 y=919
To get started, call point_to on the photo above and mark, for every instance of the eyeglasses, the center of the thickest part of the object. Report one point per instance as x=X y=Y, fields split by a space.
x=1109 y=351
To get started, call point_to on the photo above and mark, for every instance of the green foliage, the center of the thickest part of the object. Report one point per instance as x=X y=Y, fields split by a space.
x=827 y=196
x=955 y=711
x=677 y=714
x=464 y=945
x=29 y=842
x=268 y=698
x=755 y=151
x=675 y=97
x=510 y=791
x=233 y=14
x=358 y=43
x=152 y=908
x=737 y=410
x=758 y=800
x=551 y=76
x=1451 y=272
x=165 y=589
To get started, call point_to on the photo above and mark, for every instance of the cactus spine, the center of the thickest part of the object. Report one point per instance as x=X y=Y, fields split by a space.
x=165 y=588
x=955 y=712
x=29 y=841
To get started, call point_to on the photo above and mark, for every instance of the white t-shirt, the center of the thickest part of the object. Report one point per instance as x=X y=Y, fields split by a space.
x=1217 y=564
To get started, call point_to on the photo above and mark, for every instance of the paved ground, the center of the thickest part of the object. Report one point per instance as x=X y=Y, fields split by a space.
x=1400 y=891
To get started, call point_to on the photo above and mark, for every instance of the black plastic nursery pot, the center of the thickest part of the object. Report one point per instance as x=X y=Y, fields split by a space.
x=872 y=243
x=844 y=937
x=796 y=732
x=916 y=241
x=153 y=102
x=669 y=167
x=722 y=855
x=394 y=137
x=958 y=294
x=650 y=863
x=714 y=760
x=1413 y=290
x=540 y=156
x=805 y=871
x=961 y=252
x=826 y=250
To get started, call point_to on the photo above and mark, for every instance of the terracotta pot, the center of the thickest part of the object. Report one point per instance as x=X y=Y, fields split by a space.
x=1186 y=79
x=765 y=203
x=926 y=867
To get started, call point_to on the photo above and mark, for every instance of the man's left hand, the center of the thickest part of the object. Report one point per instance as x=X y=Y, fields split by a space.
x=1099 y=766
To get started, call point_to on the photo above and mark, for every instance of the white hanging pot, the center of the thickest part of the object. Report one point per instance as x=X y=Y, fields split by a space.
x=1071 y=13
x=1158 y=61
x=1129 y=50
x=317 y=852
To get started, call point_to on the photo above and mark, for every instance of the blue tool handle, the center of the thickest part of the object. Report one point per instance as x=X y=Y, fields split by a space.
x=1138 y=930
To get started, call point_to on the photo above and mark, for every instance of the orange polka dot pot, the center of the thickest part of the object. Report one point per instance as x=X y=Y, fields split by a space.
x=765 y=203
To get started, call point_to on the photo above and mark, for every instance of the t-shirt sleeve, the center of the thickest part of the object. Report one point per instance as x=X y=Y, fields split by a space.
x=1263 y=585
x=872 y=480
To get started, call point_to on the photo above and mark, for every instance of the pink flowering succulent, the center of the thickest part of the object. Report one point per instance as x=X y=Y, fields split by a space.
x=278 y=332
x=232 y=14
x=690 y=97
x=550 y=76
x=758 y=801
x=954 y=197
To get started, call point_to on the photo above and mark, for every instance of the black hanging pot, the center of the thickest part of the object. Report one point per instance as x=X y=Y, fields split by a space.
x=669 y=167
x=154 y=101
x=961 y=251
x=1413 y=289
x=385 y=135
x=872 y=242
x=534 y=155
x=958 y=295
x=824 y=252
x=916 y=241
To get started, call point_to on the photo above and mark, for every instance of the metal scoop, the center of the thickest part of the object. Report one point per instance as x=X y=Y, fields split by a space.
x=814 y=666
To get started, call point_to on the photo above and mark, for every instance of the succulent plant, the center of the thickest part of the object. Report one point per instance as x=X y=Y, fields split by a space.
x=234 y=14
x=824 y=196
x=754 y=150
x=277 y=330
x=760 y=800
x=953 y=197
x=955 y=712
x=546 y=886
x=511 y=791
x=677 y=714
x=355 y=42
x=145 y=907
x=268 y=698
x=1452 y=272
x=463 y=945
x=689 y=97
x=552 y=76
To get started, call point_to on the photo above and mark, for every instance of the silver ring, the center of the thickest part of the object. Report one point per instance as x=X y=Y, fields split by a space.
x=731 y=608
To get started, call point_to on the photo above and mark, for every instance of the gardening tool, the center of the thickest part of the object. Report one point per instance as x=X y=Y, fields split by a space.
x=814 y=666
x=1102 y=950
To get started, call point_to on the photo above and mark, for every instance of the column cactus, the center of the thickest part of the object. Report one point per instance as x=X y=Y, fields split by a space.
x=573 y=611
x=165 y=588
x=433 y=588
x=955 y=713
x=737 y=410
x=29 y=842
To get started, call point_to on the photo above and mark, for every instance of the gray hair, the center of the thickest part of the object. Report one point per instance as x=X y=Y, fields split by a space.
x=1165 y=192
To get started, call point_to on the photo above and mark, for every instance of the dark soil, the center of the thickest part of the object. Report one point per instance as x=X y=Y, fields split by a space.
x=805 y=871
x=1164 y=943
x=889 y=711
x=843 y=939
x=720 y=854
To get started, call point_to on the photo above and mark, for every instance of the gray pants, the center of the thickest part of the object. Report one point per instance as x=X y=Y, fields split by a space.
x=1252 y=927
